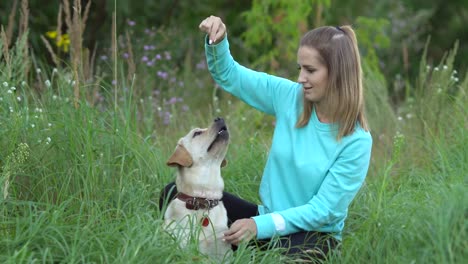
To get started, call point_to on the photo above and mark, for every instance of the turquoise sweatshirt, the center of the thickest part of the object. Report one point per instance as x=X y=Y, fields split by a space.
x=310 y=178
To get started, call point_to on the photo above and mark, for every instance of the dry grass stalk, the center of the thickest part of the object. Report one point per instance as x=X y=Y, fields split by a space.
x=24 y=21
x=75 y=49
x=130 y=60
x=51 y=50
x=11 y=23
x=114 y=55
x=86 y=14
x=87 y=62
x=59 y=23
x=79 y=58
x=6 y=51
x=91 y=64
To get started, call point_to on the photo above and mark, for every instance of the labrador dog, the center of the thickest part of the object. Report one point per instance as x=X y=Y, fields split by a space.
x=197 y=211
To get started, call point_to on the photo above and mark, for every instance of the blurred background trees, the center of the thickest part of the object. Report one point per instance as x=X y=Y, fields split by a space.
x=265 y=33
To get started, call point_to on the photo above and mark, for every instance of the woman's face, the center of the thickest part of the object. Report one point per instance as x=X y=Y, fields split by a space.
x=313 y=74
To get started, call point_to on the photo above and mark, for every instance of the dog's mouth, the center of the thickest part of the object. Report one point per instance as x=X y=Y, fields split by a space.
x=222 y=133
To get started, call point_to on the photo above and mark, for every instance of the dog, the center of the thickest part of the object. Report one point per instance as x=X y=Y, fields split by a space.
x=197 y=210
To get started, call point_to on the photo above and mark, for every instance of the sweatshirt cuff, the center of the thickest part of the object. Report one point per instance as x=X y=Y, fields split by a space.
x=268 y=225
x=265 y=226
x=219 y=48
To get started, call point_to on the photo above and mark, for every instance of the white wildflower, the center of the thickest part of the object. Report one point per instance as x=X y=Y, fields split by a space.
x=436 y=68
x=9 y=91
x=54 y=97
x=5 y=84
x=49 y=124
x=445 y=67
x=38 y=70
x=47 y=83
x=13 y=88
x=48 y=140
x=33 y=125
x=218 y=110
x=243 y=118
x=54 y=70
x=400 y=118
x=18 y=98
x=23 y=83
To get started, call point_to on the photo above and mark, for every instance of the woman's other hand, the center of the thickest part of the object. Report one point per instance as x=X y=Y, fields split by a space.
x=241 y=230
x=214 y=27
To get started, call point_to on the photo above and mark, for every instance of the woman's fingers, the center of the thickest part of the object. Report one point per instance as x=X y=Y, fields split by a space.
x=214 y=27
x=241 y=230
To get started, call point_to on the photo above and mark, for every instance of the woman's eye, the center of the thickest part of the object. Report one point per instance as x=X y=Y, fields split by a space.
x=196 y=133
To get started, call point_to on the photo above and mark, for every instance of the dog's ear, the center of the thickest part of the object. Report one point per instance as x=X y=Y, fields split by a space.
x=180 y=157
x=224 y=163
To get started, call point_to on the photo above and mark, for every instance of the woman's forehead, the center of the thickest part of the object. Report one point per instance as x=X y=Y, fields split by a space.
x=308 y=56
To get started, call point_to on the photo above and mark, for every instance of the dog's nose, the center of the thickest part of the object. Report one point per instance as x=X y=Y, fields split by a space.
x=218 y=119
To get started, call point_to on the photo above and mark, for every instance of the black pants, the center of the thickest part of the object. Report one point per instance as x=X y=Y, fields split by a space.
x=307 y=245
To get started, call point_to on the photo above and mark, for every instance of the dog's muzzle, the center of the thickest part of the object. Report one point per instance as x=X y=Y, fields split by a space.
x=197 y=203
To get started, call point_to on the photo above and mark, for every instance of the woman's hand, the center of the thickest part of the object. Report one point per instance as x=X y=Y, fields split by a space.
x=241 y=230
x=214 y=27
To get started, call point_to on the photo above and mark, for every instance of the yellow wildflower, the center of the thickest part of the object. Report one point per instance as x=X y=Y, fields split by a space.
x=62 y=41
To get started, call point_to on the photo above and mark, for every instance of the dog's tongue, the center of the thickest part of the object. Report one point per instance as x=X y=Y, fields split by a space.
x=205 y=221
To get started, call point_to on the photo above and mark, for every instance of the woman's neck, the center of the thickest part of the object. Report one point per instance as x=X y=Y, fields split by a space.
x=322 y=114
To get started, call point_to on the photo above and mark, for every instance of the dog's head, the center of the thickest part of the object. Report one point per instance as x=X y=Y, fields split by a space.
x=202 y=147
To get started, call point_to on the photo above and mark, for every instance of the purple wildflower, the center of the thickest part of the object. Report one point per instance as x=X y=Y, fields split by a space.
x=173 y=100
x=162 y=74
x=201 y=65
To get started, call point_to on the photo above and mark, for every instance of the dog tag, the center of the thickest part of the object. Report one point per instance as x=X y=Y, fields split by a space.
x=205 y=221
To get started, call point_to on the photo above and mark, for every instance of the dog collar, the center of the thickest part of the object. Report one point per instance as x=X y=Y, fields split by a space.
x=197 y=203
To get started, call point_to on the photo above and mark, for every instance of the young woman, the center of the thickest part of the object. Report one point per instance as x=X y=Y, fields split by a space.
x=321 y=146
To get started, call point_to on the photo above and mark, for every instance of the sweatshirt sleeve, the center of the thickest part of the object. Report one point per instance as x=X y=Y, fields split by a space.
x=262 y=91
x=330 y=205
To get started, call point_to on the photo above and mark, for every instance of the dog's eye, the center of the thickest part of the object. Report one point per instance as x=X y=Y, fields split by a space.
x=196 y=133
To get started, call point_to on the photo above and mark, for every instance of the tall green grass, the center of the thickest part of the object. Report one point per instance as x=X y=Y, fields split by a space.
x=81 y=182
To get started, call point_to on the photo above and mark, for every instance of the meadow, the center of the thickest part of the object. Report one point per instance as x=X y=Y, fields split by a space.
x=84 y=139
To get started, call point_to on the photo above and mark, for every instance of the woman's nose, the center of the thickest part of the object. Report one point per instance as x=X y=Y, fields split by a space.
x=300 y=78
